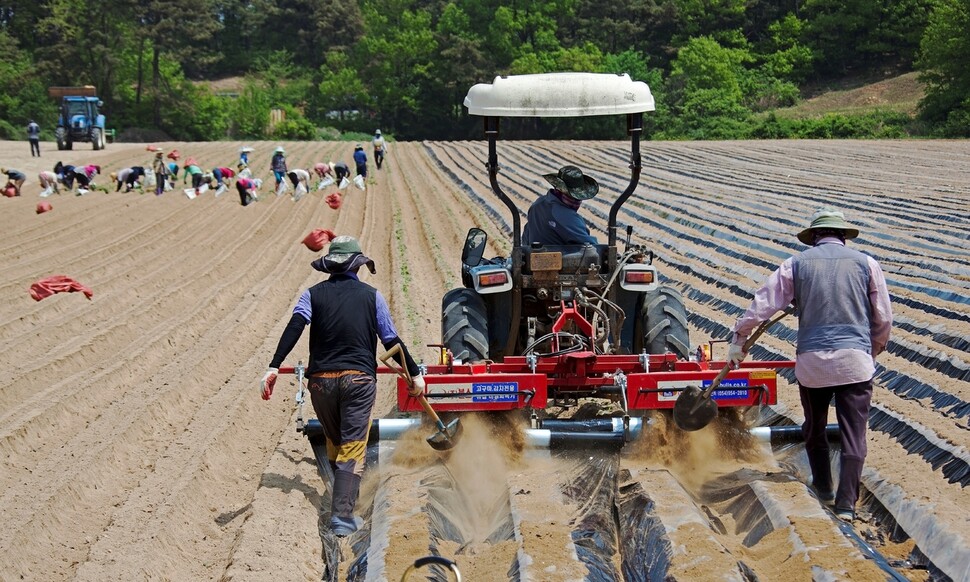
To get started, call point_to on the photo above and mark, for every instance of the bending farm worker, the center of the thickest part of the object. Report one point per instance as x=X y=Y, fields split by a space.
x=15 y=178
x=128 y=177
x=243 y=171
x=220 y=174
x=340 y=170
x=301 y=182
x=844 y=320
x=195 y=172
x=48 y=181
x=346 y=318
x=247 y=188
x=322 y=170
x=554 y=218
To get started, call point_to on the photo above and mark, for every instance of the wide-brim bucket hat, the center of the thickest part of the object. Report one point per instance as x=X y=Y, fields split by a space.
x=279 y=150
x=343 y=255
x=573 y=182
x=829 y=218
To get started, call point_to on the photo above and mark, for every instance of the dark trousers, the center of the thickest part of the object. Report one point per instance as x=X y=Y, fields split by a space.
x=34 y=147
x=343 y=405
x=244 y=197
x=362 y=169
x=379 y=158
x=852 y=411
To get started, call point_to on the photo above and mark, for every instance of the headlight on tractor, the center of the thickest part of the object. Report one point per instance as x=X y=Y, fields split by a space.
x=491 y=279
x=639 y=277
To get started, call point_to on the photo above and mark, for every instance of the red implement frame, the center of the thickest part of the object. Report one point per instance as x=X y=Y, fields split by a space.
x=513 y=383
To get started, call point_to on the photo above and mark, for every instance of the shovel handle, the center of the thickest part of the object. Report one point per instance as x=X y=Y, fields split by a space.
x=402 y=371
x=748 y=343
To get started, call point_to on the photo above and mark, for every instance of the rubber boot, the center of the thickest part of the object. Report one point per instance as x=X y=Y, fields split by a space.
x=346 y=486
x=850 y=474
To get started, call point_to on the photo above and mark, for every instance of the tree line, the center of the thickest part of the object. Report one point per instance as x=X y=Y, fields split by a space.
x=715 y=66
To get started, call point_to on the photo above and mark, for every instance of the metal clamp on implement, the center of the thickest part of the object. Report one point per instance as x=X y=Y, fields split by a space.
x=299 y=370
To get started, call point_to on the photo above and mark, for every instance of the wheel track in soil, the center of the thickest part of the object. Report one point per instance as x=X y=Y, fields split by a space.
x=167 y=475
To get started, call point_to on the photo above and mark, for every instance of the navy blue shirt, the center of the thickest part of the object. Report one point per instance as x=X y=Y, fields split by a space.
x=551 y=222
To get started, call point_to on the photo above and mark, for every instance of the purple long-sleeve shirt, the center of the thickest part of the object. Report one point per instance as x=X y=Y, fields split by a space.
x=819 y=369
x=385 y=325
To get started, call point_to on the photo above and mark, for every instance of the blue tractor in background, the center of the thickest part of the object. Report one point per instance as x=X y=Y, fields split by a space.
x=78 y=119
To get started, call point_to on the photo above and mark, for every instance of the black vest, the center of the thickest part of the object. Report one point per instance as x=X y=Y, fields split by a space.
x=343 y=331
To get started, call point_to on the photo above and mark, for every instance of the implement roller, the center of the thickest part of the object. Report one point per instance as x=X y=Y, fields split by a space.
x=608 y=433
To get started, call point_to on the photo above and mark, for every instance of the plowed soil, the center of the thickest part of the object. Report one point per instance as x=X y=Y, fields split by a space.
x=134 y=445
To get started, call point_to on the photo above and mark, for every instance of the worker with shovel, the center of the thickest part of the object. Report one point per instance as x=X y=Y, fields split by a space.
x=844 y=322
x=346 y=317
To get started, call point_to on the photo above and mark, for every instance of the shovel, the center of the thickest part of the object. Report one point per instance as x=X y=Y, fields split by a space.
x=447 y=435
x=694 y=408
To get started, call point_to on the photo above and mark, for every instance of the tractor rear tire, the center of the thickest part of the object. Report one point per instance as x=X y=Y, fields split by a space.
x=60 y=134
x=464 y=325
x=97 y=138
x=663 y=324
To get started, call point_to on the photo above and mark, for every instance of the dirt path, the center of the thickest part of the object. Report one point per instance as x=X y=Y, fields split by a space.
x=133 y=443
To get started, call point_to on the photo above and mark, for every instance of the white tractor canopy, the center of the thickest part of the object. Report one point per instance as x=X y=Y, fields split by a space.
x=559 y=95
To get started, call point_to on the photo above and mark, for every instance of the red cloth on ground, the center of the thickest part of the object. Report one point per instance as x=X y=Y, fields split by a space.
x=57 y=284
x=317 y=238
x=174 y=155
x=43 y=207
x=334 y=200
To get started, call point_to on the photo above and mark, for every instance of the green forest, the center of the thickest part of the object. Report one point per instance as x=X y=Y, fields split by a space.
x=718 y=68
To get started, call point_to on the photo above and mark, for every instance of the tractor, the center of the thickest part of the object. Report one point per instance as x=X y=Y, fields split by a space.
x=556 y=324
x=79 y=119
x=548 y=325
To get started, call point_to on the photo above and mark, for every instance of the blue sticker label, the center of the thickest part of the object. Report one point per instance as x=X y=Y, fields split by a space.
x=495 y=391
x=729 y=389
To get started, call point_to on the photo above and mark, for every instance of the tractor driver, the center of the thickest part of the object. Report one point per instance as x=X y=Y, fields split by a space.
x=554 y=218
x=346 y=317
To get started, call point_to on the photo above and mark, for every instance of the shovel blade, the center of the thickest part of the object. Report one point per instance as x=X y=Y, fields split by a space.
x=446 y=437
x=692 y=411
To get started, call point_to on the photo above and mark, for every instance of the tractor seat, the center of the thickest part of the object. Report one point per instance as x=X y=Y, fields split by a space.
x=575 y=258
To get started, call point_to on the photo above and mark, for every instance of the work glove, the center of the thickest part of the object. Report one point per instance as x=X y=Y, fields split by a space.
x=268 y=382
x=736 y=355
x=417 y=385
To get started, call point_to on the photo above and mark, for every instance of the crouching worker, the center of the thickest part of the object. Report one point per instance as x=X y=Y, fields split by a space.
x=346 y=317
x=247 y=190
